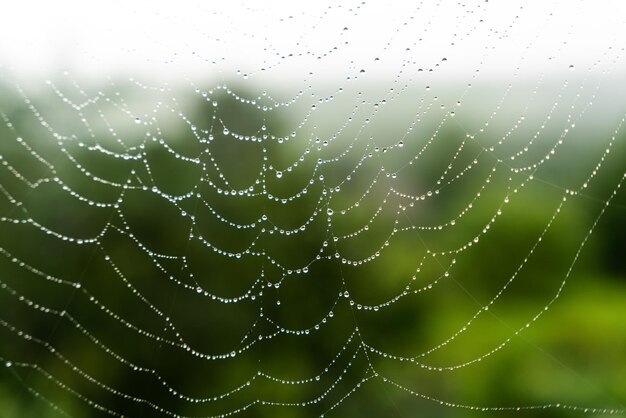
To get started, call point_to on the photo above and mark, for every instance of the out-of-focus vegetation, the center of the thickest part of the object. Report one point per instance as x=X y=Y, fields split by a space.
x=148 y=263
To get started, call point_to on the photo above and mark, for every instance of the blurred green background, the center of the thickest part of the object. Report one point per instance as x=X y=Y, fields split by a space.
x=163 y=156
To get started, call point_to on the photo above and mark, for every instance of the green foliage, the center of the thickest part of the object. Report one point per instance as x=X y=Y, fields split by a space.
x=573 y=354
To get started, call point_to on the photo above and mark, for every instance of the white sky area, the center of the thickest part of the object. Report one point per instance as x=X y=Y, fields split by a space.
x=232 y=39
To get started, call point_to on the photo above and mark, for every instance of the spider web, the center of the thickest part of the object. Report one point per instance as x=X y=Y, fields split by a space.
x=265 y=234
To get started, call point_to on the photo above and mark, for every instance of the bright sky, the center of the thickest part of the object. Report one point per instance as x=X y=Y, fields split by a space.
x=165 y=38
